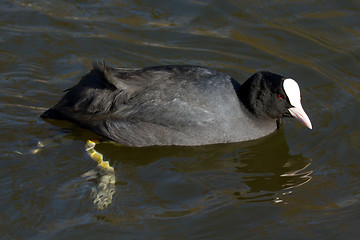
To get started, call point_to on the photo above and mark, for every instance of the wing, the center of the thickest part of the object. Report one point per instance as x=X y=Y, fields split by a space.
x=112 y=101
x=98 y=94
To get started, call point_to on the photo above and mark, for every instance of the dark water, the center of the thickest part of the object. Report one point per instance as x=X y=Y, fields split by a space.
x=294 y=184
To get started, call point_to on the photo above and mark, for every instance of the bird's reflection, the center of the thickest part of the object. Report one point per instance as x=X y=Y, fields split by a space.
x=255 y=171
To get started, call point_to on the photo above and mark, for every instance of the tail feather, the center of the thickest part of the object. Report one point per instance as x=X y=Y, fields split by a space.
x=110 y=75
x=52 y=114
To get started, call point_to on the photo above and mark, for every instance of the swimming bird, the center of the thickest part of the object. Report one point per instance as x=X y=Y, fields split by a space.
x=178 y=105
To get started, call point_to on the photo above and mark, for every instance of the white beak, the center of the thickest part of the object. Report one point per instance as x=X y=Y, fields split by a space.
x=299 y=114
x=292 y=90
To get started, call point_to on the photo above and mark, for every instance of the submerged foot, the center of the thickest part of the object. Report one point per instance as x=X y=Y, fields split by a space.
x=104 y=175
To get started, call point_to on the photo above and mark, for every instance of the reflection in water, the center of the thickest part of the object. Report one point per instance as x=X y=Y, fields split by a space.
x=269 y=168
x=184 y=180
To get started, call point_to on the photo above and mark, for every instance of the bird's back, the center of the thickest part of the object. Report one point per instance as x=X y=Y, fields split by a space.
x=165 y=105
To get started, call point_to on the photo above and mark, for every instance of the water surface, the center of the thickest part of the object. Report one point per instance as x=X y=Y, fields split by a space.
x=293 y=184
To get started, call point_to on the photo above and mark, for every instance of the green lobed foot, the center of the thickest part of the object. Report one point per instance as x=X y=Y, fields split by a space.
x=105 y=176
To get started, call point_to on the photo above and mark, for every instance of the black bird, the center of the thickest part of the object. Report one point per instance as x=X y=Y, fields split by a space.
x=178 y=105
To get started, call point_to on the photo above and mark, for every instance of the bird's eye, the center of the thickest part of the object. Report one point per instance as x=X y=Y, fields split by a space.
x=280 y=96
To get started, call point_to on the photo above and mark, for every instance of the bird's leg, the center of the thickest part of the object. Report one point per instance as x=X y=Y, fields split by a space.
x=104 y=174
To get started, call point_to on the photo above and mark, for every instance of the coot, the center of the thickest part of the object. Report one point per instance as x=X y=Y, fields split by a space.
x=178 y=105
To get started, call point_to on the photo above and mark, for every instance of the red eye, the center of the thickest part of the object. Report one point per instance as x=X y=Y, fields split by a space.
x=280 y=96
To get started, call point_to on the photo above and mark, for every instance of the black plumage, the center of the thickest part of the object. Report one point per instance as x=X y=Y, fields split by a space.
x=173 y=105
